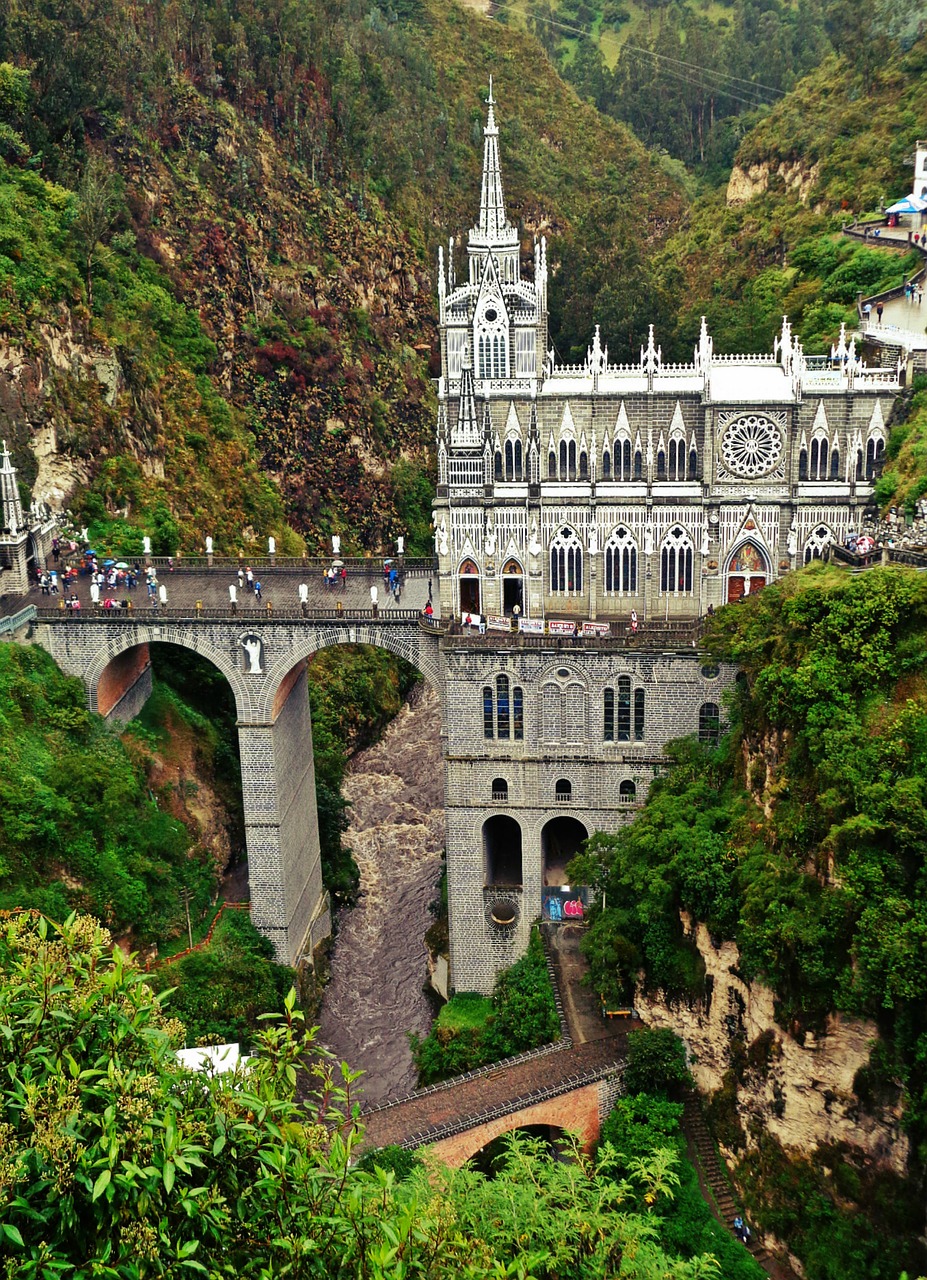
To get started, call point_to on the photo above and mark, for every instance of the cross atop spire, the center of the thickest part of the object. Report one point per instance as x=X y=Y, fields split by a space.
x=494 y=227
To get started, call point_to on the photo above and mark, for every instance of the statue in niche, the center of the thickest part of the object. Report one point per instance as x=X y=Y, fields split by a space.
x=254 y=651
x=441 y=541
x=534 y=545
x=490 y=543
x=792 y=542
x=648 y=540
x=706 y=546
x=593 y=541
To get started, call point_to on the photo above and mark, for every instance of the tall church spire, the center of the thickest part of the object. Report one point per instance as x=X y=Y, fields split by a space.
x=493 y=222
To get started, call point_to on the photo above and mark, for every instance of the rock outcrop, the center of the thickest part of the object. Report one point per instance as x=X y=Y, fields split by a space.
x=799 y=1091
x=745 y=183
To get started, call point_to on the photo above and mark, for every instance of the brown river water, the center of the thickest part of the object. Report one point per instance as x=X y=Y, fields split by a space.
x=375 y=996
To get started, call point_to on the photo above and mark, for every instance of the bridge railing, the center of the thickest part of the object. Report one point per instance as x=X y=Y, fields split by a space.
x=14 y=621
x=253 y=616
x=415 y=566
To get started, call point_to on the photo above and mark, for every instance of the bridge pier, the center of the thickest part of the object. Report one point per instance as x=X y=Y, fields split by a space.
x=289 y=904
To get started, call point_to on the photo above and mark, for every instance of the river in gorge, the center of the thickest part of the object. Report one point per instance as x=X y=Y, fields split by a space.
x=375 y=995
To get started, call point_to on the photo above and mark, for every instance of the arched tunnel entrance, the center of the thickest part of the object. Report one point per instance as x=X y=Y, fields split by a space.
x=561 y=839
x=502 y=850
x=549 y=1139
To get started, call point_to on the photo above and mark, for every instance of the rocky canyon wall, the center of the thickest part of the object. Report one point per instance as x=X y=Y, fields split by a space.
x=801 y=1093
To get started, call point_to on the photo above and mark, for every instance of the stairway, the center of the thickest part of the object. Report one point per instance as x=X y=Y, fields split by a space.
x=715 y=1183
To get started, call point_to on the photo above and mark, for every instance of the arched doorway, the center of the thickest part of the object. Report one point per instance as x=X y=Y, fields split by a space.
x=560 y=841
x=747 y=571
x=513 y=592
x=469 y=582
x=502 y=850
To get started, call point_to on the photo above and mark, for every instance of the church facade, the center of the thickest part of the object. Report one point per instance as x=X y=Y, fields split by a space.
x=574 y=495
x=586 y=491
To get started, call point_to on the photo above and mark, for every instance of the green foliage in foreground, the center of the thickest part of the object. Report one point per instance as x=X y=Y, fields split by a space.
x=904 y=478
x=120 y=1165
x=472 y=1030
x=78 y=828
x=656 y=1062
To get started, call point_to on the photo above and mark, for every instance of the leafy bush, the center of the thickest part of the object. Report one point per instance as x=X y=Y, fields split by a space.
x=472 y=1030
x=656 y=1062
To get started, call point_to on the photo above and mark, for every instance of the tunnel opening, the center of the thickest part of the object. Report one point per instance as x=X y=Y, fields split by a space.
x=502 y=850
x=549 y=1139
x=561 y=840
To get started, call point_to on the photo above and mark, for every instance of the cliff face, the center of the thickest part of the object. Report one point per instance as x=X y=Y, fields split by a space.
x=799 y=1091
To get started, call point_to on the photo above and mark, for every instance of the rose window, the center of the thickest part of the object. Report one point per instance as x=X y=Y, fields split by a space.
x=751 y=445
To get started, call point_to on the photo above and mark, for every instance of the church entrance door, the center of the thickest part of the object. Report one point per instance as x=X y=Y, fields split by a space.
x=513 y=593
x=747 y=572
x=469 y=580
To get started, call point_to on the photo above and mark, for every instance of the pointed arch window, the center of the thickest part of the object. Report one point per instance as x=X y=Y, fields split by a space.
x=677 y=459
x=638 y=465
x=606 y=464
x=875 y=455
x=624 y=708
x=519 y=465
x=621 y=563
x=567 y=459
x=817 y=544
x=638 y=715
x=583 y=465
x=566 y=563
x=859 y=464
x=676 y=562
x=817 y=468
x=552 y=465
x=608 y=715
x=622 y=458
x=803 y=464
x=693 y=462
x=497 y=469
x=661 y=464
x=835 y=462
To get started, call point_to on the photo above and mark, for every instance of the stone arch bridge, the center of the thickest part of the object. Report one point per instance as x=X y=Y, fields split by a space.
x=546 y=737
x=263 y=658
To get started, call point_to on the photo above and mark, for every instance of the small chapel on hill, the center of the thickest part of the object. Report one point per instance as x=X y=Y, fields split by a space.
x=585 y=491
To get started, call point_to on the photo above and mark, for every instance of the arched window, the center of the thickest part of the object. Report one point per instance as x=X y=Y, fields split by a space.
x=502 y=706
x=552 y=465
x=606 y=464
x=638 y=464
x=563 y=790
x=497 y=471
x=661 y=464
x=566 y=563
x=509 y=461
x=488 y=717
x=583 y=465
x=519 y=470
x=817 y=544
x=677 y=459
x=500 y=789
x=859 y=464
x=875 y=452
x=818 y=465
x=676 y=562
x=485 y=368
x=803 y=465
x=627 y=792
x=503 y=718
x=624 y=708
x=693 y=463
x=563 y=460
x=621 y=563
x=638 y=715
x=608 y=715
x=835 y=463
x=709 y=722
x=571 y=454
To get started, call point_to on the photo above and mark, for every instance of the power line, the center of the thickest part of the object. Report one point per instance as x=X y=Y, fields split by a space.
x=719 y=76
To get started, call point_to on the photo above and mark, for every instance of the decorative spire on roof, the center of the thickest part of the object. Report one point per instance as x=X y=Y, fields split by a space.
x=9 y=493
x=466 y=434
x=493 y=227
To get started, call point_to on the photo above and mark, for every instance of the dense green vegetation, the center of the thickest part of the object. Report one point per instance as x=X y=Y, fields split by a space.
x=472 y=1030
x=220 y=992
x=78 y=827
x=904 y=477
x=813 y=865
x=120 y=1164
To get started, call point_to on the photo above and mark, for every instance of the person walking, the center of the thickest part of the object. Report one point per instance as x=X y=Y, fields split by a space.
x=241 y=579
x=880 y=307
x=257 y=590
x=249 y=576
